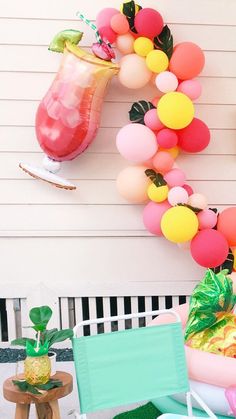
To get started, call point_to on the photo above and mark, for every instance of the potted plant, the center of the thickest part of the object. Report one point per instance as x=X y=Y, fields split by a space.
x=37 y=365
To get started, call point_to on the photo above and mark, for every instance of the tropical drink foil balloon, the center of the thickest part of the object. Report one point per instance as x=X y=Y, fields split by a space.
x=68 y=117
x=37 y=365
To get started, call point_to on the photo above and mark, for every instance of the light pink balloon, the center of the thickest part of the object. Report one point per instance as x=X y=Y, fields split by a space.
x=197 y=200
x=152 y=216
x=166 y=81
x=132 y=184
x=152 y=121
x=191 y=88
x=125 y=43
x=136 y=142
x=207 y=219
x=175 y=177
x=133 y=63
x=177 y=195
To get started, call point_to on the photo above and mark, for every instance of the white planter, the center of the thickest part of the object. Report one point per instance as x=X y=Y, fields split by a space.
x=52 y=357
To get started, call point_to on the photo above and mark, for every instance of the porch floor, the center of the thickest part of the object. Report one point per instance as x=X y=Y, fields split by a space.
x=66 y=404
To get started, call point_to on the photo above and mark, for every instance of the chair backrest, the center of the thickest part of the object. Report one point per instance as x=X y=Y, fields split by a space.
x=129 y=366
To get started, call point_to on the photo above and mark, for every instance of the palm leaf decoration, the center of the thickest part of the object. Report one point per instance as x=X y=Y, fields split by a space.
x=138 y=110
x=129 y=10
x=155 y=177
x=227 y=264
x=164 y=41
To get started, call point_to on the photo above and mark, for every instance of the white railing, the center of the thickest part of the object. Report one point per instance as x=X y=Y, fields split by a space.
x=68 y=311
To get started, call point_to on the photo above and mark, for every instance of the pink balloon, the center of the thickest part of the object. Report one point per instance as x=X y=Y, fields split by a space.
x=189 y=189
x=167 y=138
x=152 y=216
x=119 y=24
x=107 y=34
x=191 y=88
x=166 y=81
x=230 y=394
x=152 y=121
x=163 y=161
x=207 y=219
x=148 y=22
x=175 y=177
x=177 y=195
x=136 y=142
x=209 y=248
x=104 y=16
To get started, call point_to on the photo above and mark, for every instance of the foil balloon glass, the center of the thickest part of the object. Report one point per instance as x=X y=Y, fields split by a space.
x=68 y=116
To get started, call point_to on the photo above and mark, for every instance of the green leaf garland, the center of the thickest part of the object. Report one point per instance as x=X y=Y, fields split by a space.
x=35 y=389
x=164 y=41
x=138 y=110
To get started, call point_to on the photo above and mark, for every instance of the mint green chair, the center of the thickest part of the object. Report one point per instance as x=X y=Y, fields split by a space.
x=124 y=367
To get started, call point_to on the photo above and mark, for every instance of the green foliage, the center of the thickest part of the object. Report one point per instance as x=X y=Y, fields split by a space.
x=138 y=110
x=156 y=178
x=35 y=389
x=164 y=41
x=40 y=317
x=129 y=11
x=22 y=341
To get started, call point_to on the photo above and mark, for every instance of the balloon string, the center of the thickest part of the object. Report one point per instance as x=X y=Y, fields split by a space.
x=91 y=25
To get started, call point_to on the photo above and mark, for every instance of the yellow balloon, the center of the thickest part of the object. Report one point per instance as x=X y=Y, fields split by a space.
x=179 y=224
x=174 y=151
x=157 y=193
x=157 y=61
x=142 y=46
x=175 y=110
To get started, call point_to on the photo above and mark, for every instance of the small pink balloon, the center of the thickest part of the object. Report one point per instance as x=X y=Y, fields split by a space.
x=191 y=88
x=175 y=177
x=152 y=216
x=207 y=219
x=166 y=81
x=119 y=24
x=177 y=195
x=167 y=138
x=163 y=161
x=197 y=200
x=107 y=34
x=104 y=16
x=125 y=43
x=152 y=121
x=136 y=142
x=189 y=189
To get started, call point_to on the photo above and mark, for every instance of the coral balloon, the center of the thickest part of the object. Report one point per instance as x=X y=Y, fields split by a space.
x=104 y=16
x=197 y=200
x=152 y=121
x=167 y=138
x=209 y=248
x=142 y=46
x=207 y=219
x=136 y=142
x=227 y=225
x=175 y=177
x=132 y=184
x=179 y=224
x=166 y=82
x=157 y=61
x=187 y=60
x=175 y=110
x=125 y=43
x=191 y=88
x=163 y=161
x=119 y=24
x=148 y=22
x=152 y=216
x=195 y=137
x=129 y=65
x=177 y=195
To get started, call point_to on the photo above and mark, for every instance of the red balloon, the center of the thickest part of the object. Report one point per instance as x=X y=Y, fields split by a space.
x=227 y=225
x=148 y=22
x=107 y=34
x=209 y=248
x=195 y=137
x=167 y=138
x=187 y=61
x=189 y=189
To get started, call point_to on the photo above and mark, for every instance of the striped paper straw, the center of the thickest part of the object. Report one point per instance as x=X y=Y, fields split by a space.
x=91 y=25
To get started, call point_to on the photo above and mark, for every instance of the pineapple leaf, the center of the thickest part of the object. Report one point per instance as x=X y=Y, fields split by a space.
x=227 y=264
x=138 y=110
x=164 y=41
x=129 y=10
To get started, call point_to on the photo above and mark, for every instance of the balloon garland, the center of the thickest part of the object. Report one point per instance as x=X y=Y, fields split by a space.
x=69 y=115
x=158 y=131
